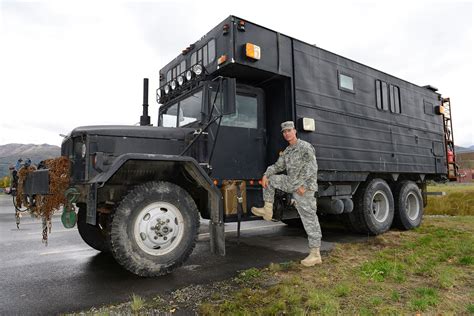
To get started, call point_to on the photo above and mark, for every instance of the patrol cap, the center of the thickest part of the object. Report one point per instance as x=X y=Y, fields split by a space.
x=287 y=125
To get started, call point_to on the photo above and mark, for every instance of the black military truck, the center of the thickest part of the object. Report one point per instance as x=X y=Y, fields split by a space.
x=142 y=189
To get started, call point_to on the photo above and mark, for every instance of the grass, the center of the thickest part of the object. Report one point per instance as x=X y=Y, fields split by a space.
x=427 y=270
x=459 y=199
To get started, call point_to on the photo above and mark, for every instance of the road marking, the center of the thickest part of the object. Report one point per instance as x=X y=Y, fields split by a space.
x=245 y=229
x=63 y=251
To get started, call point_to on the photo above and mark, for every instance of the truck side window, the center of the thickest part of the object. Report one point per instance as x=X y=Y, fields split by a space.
x=245 y=115
x=385 y=99
x=378 y=94
x=212 y=50
x=346 y=82
x=395 y=99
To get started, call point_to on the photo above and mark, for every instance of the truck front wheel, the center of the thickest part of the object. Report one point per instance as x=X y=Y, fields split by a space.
x=154 y=229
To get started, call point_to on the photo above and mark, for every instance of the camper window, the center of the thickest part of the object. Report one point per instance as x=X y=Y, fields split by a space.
x=346 y=82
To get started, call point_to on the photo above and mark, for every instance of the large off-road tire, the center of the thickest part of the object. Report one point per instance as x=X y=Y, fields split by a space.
x=373 y=208
x=94 y=236
x=154 y=229
x=408 y=205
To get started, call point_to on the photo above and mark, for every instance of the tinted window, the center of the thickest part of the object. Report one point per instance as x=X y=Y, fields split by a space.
x=190 y=109
x=212 y=50
x=245 y=114
x=182 y=66
x=169 y=118
x=395 y=99
x=346 y=82
x=385 y=99
x=378 y=94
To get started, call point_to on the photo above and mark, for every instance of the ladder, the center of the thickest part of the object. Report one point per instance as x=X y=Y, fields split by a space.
x=449 y=140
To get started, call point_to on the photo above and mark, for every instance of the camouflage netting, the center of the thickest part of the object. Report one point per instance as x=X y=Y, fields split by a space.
x=44 y=206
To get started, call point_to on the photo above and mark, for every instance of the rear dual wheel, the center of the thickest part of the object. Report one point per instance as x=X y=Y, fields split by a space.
x=408 y=205
x=373 y=208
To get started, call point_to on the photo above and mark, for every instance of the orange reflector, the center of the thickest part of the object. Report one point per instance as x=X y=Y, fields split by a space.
x=222 y=59
x=252 y=51
x=251 y=182
x=439 y=109
x=215 y=182
x=260 y=182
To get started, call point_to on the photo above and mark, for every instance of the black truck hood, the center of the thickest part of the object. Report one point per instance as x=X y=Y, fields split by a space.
x=132 y=131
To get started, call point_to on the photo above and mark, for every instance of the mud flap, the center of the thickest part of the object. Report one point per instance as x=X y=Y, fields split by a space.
x=216 y=225
x=91 y=215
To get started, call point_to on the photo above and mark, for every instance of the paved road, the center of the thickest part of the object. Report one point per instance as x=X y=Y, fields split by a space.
x=68 y=276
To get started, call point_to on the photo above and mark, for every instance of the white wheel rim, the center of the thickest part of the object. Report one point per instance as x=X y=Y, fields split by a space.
x=412 y=206
x=380 y=206
x=158 y=228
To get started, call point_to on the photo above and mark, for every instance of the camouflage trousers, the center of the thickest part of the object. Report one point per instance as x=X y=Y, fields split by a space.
x=305 y=204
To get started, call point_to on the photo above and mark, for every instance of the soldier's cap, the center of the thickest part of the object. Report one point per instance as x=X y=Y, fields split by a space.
x=287 y=125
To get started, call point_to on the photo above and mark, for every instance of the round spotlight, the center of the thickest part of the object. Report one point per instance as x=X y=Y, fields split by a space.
x=167 y=89
x=180 y=80
x=158 y=93
x=189 y=75
x=197 y=70
x=173 y=85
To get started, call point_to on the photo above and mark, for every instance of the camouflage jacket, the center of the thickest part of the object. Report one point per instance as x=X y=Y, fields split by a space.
x=299 y=161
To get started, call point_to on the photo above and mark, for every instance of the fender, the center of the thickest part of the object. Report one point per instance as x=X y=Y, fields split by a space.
x=193 y=169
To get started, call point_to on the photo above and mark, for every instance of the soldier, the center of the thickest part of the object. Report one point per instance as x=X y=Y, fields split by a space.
x=299 y=161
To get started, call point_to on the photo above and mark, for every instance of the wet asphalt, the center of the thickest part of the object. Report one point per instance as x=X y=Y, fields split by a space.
x=67 y=275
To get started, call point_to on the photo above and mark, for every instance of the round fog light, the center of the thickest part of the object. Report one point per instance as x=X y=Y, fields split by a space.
x=197 y=70
x=173 y=84
x=167 y=89
x=180 y=80
x=189 y=75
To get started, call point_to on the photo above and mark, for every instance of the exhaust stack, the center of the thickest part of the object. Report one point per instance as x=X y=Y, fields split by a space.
x=145 y=118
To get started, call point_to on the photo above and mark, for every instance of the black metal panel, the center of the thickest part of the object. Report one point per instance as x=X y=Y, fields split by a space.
x=351 y=133
x=37 y=182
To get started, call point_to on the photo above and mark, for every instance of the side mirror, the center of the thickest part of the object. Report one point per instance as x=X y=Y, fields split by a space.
x=229 y=85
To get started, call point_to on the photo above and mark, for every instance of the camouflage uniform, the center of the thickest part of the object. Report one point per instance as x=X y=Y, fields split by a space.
x=299 y=161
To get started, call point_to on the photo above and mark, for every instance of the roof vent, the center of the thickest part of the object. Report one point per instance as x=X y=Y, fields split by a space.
x=430 y=87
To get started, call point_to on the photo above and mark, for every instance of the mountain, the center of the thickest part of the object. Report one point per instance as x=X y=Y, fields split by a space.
x=460 y=149
x=10 y=153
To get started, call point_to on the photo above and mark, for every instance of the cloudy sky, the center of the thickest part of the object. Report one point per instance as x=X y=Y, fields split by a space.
x=70 y=63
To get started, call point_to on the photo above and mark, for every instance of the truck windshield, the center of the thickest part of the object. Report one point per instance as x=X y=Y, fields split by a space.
x=183 y=112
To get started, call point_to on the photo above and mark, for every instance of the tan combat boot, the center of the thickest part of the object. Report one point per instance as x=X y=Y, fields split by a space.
x=313 y=258
x=266 y=211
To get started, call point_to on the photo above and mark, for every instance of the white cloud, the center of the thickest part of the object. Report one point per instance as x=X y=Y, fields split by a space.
x=64 y=64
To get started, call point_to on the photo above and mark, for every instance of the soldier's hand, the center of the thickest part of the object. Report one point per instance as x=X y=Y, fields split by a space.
x=265 y=182
x=301 y=190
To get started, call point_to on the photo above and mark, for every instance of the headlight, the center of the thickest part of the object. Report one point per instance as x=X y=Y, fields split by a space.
x=83 y=151
x=189 y=75
x=173 y=85
x=197 y=70
x=158 y=95
x=180 y=80
x=167 y=89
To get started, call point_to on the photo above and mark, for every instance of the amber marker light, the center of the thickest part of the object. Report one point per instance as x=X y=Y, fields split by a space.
x=252 y=51
x=215 y=182
x=222 y=59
